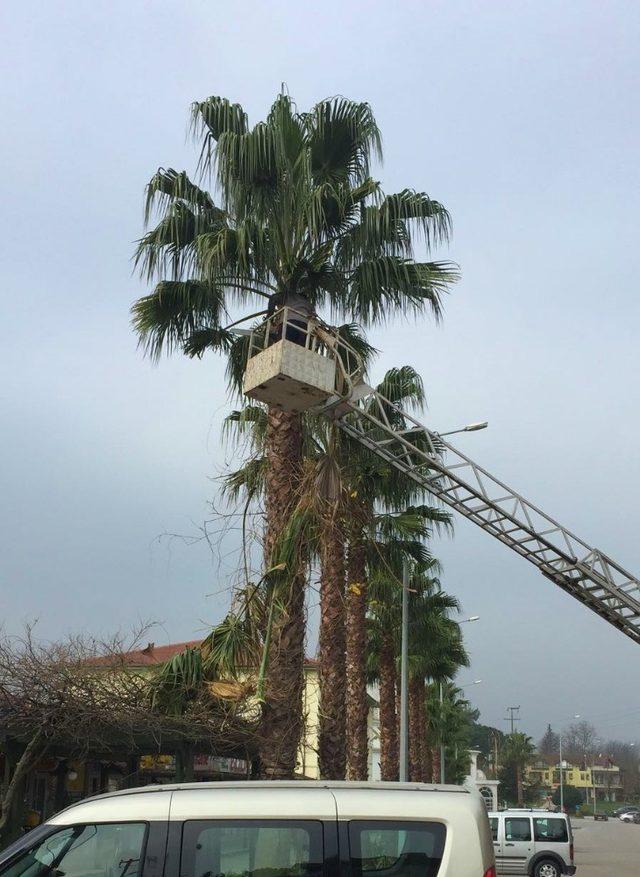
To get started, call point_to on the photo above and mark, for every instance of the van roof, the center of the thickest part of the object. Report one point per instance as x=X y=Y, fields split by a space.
x=248 y=785
x=527 y=810
x=250 y=799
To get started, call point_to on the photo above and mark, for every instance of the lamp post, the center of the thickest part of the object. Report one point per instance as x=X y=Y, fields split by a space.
x=442 y=748
x=577 y=716
x=468 y=620
x=404 y=678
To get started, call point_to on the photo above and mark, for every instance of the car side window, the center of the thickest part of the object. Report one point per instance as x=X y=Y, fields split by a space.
x=106 y=850
x=517 y=828
x=550 y=830
x=396 y=849
x=252 y=848
x=494 y=827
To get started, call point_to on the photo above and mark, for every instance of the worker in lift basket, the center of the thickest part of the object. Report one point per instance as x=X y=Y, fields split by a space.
x=300 y=312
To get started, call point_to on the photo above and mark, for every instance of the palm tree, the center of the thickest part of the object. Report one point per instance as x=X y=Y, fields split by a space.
x=436 y=651
x=518 y=751
x=335 y=469
x=373 y=484
x=448 y=723
x=316 y=529
x=298 y=214
x=432 y=637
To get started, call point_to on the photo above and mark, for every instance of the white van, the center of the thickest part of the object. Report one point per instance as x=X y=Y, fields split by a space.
x=275 y=829
x=533 y=842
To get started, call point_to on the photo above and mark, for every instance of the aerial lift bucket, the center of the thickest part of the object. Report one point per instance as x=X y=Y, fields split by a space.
x=297 y=363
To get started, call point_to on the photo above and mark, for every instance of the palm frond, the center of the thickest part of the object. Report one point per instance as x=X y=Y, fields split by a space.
x=389 y=284
x=248 y=480
x=210 y=119
x=173 y=312
x=403 y=385
x=213 y=338
x=250 y=420
x=177 y=682
x=431 y=217
x=231 y=648
x=170 y=247
x=168 y=186
x=343 y=137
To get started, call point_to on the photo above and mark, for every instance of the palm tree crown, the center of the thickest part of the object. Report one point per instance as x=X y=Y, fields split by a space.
x=299 y=213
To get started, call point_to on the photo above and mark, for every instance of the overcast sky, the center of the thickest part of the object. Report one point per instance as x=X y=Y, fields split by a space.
x=522 y=118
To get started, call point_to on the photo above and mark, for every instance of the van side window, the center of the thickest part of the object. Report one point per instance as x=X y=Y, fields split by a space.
x=401 y=849
x=517 y=828
x=553 y=830
x=494 y=827
x=109 y=850
x=252 y=848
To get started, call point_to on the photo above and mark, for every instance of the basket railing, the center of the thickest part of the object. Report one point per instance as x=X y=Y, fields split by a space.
x=287 y=324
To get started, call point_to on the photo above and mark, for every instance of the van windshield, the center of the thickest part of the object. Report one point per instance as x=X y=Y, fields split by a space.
x=107 y=850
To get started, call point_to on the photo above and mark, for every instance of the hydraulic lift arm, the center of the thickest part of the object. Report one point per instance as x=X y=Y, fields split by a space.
x=319 y=370
x=435 y=465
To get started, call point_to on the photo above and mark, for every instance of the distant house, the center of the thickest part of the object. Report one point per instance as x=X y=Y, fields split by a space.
x=599 y=781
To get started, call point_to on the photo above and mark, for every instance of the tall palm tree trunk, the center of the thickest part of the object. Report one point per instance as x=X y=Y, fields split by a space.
x=519 y=785
x=332 y=724
x=416 y=728
x=356 y=653
x=281 y=727
x=435 y=764
x=427 y=764
x=388 y=719
x=422 y=720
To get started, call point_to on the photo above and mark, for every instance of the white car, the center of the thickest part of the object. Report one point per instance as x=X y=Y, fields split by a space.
x=273 y=829
x=630 y=816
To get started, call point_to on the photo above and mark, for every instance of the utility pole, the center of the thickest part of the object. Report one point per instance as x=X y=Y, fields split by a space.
x=561 y=779
x=512 y=717
x=404 y=678
x=442 y=751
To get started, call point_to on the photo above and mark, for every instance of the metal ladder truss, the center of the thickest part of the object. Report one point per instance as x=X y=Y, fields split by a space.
x=580 y=570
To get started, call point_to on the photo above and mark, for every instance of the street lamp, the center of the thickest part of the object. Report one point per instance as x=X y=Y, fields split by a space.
x=471 y=427
x=576 y=716
x=469 y=619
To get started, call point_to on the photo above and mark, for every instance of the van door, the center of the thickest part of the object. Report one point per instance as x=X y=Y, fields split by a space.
x=517 y=845
x=553 y=834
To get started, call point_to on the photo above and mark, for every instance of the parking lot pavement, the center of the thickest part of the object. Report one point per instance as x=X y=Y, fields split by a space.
x=606 y=849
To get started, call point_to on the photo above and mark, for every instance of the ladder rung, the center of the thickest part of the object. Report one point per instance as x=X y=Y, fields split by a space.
x=491 y=504
x=542 y=550
x=543 y=533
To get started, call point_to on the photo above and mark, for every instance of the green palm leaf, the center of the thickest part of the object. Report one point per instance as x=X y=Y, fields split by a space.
x=175 y=310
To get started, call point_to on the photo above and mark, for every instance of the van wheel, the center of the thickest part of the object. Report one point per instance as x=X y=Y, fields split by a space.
x=546 y=868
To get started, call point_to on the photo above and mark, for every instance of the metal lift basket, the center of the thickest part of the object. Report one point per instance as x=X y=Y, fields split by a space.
x=292 y=362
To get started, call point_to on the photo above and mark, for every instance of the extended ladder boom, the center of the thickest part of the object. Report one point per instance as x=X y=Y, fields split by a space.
x=584 y=572
x=294 y=361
